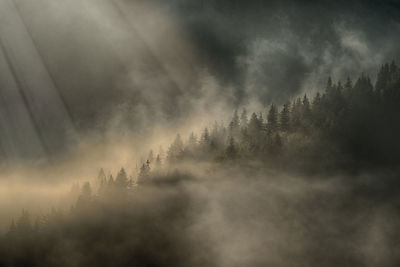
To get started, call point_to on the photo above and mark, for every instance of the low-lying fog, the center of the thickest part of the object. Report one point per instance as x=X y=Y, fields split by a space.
x=222 y=215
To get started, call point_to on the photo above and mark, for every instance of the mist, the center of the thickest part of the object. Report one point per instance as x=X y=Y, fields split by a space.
x=129 y=64
x=199 y=133
x=221 y=216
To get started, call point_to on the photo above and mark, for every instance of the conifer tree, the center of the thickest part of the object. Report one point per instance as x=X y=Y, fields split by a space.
x=348 y=85
x=383 y=78
x=234 y=124
x=86 y=190
x=102 y=176
x=144 y=174
x=316 y=111
x=192 y=141
x=122 y=179
x=205 y=138
x=111 y=180
x=261 y=120
x=243 y=118
x=158 y=162
x=296 y=114
x=329 y=86
x=231 y=151
x=272 y=118
x=306 y=111
x=254 y=126
x=176 y=149
x=284 y=120
x=101 y=180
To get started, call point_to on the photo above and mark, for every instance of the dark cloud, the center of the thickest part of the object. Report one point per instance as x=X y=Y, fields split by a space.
x=143 y=63
x=307 y=40
x=307 y=37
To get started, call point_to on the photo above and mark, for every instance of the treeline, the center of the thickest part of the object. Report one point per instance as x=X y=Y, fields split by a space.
x=117 y=222
x=348 y=125
x=113 y=222
x=104 y=188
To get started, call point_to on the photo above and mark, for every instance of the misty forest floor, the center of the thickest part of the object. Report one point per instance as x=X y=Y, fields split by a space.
x=220 y=215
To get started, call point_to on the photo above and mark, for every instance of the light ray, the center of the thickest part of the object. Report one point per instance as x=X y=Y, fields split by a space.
x=47 y=110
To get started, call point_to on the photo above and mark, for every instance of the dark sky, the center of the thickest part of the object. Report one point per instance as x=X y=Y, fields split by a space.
x=288 y=42
x=144 y=62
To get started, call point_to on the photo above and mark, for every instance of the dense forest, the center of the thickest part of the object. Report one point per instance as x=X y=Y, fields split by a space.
x=348 y=125
x=192 y=133
x=149 y=218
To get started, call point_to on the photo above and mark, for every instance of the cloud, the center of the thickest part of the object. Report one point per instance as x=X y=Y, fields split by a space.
x=138 y=64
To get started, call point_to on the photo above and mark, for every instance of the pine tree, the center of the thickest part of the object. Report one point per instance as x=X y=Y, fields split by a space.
x=254 y=125
x=83 y=200
x=234 y=124
x=111 y=181
x=261 y=120
x=144 y=174
x=382 y=78
x=214 y=131
x=243 y=118
x=316 y=111
x=176 y=149
x=216 y=140
x=296 y=114
x=306 y=111
x=102 y=176
x=101 y=180
x=122 y=179
x=86 y=190
x=191 y=145
x=329 y=86
x=231 y=151
x=392 y=68
x=205 y=138
x=285 y=117
x=348 y=85
x=131 y=182
x=317 y=101
x=272 y=118
x=192 y=141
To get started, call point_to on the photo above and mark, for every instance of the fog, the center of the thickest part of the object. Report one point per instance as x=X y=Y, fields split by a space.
x=219 y=216
x=89 y=87
x=117 y=65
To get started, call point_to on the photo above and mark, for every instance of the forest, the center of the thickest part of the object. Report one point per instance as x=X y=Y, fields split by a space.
x=349 y=125
x=166 y=213
x=193 y=133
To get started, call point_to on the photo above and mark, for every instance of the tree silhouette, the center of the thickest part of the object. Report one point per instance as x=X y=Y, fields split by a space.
x=231 y=151
x=176 y=149
x=356 y=120
x=284 y=120
x=122 y=179
x=272 y=118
